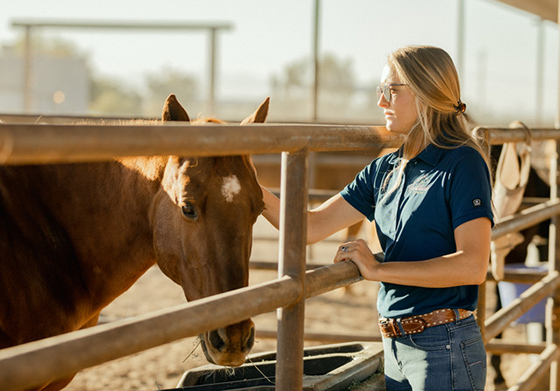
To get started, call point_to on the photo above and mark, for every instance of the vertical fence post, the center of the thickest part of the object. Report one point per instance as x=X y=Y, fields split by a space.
x=553 y=304
x=481 y=305
x=552 y=318
x=461 y=41
x=212 y=76
x=315 y=96
x=293 y=239
x=28 y=72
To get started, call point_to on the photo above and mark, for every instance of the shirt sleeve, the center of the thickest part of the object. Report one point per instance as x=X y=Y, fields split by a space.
x=470 y=194
x=360 y=192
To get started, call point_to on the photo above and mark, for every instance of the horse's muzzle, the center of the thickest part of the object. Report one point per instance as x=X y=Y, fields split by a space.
x=229 y=346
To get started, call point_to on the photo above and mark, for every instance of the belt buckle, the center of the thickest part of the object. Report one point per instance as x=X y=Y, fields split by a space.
x=393 y=324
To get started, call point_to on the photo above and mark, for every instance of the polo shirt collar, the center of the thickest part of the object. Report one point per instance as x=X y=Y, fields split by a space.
x=431 y=155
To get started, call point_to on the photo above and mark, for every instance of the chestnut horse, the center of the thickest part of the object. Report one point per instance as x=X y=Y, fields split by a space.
x=73 y=237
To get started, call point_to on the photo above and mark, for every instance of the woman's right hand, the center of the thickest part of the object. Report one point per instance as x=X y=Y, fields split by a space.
x=359 y=252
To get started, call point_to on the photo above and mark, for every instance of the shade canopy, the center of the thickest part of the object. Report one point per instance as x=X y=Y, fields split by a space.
x=546 y=9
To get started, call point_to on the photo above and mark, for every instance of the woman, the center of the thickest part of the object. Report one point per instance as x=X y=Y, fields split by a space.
x=431 y=203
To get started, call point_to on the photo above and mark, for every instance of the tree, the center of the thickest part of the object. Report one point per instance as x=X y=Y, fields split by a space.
x=163 y=82
x=109 y=96
x=293 y=88
x=42 y=45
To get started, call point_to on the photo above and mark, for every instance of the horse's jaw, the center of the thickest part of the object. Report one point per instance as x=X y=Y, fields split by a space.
x=229 y=346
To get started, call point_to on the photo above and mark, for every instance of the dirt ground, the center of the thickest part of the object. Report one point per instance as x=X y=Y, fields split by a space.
x=337 y=312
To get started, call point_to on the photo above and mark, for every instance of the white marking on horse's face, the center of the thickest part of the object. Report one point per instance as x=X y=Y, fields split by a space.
x=230 y=187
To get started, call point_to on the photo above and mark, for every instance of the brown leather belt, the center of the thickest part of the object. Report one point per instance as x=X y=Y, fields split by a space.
x=417 y=323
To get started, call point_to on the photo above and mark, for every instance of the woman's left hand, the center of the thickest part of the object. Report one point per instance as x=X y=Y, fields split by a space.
x=358 y=252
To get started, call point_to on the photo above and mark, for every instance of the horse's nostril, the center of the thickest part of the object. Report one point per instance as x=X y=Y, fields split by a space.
x=250 y=339
x=217 y=341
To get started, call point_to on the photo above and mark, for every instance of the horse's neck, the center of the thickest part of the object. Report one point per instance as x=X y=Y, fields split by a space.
x=151 y=168
x=137 y=180
x=106 y=215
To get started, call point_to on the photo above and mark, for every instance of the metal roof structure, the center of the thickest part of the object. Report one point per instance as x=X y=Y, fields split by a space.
x=546 y=9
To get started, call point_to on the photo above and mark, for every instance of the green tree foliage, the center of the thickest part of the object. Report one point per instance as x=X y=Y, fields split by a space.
x=166 y=81
x=48 y=46
x=293 y=88
x=109 y=96
x=341 y=97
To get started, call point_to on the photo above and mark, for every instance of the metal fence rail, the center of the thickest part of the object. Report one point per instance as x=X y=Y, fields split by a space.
x=548 y=285
x=36 y=363
x=27 y=365
x=25 y=143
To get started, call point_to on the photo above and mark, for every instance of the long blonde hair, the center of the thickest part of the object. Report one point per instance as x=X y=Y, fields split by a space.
x=430 y=74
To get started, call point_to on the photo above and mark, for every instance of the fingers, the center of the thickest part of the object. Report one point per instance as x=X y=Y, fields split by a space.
x=360 y=254
x=343 y=253
x=353 y=246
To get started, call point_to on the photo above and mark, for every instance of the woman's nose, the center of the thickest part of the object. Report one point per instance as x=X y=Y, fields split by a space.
x=382 y=102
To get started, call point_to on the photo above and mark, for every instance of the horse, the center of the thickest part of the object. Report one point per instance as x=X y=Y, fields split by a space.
x=73 y=237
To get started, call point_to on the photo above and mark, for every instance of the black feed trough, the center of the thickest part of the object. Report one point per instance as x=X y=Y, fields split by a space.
x=328 y=367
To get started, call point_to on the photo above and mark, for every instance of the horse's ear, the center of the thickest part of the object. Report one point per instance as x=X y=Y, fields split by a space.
x=173 y=111
x=259 y=116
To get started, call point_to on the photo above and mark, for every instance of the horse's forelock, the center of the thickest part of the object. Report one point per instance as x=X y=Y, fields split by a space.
x=219 y=162
x=206 y=120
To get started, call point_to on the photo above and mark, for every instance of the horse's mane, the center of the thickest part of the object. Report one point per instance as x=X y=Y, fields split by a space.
x=118 y=121
x=200 y=120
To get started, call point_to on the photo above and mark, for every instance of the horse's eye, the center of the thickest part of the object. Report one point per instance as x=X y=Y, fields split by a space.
x=189 y=211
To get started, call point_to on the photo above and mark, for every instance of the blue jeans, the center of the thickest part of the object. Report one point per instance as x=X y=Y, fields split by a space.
x=449 y=357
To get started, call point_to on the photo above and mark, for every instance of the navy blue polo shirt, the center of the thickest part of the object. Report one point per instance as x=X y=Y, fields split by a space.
x=439 y=190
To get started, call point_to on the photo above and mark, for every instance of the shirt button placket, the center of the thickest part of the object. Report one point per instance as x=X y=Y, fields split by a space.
x=395 y=213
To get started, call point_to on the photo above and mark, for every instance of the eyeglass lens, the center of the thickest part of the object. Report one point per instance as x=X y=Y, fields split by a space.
x=385 y=89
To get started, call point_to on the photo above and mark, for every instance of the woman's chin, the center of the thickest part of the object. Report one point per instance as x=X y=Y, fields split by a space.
x=392 y=128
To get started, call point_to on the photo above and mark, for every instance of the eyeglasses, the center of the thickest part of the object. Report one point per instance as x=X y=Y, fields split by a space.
x=385 y=89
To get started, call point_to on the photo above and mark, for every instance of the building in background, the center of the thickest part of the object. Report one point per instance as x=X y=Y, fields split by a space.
x=59 y=85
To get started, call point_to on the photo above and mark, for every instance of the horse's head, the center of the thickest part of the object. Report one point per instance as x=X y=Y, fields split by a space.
x=202 y=220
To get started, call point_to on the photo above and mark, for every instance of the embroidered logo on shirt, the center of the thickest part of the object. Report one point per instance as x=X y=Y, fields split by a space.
x=420 y=185
x=477 y=202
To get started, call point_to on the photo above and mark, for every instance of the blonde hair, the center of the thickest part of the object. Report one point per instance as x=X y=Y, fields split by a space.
x=431 y=76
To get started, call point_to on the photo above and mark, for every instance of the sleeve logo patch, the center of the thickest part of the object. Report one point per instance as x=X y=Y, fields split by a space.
x=477 y=202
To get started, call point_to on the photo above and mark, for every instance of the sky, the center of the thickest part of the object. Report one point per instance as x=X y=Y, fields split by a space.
x=500 y=58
